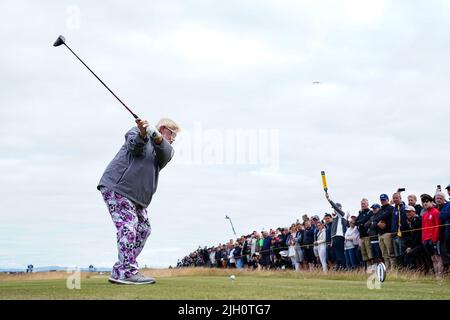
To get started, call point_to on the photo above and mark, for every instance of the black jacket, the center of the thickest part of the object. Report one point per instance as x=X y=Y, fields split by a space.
x=308 y=236
x=372 y=229
x=363 y=217
x=414 y=238
x=237 y=252
x=419 y=209
x=299 y=236
x=386 y=216
x=328 y=232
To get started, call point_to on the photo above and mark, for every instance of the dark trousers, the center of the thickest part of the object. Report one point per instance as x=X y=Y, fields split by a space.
x=411 y=258
x=338 y=248
x=330 y=254
x=265 y=259
x=358 y=256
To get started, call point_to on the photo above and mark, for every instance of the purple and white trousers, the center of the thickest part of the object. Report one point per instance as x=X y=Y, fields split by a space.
x=133 y=229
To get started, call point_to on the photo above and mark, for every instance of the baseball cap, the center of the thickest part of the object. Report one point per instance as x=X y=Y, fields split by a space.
x=410 y=208
x=384 y=197
x=448 y=187
x=316 y=217
x=375 y=206
x=426 y=197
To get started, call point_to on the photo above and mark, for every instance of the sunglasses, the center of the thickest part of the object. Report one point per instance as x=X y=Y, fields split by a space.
x=174 y=134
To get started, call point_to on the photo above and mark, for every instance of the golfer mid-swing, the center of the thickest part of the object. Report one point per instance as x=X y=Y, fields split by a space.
x=127 y=186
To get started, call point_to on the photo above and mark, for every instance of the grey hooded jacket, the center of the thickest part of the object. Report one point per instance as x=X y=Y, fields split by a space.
x=134 y=171
x=340 y=218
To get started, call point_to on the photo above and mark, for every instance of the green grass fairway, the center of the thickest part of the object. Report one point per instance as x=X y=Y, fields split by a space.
x=217 y=285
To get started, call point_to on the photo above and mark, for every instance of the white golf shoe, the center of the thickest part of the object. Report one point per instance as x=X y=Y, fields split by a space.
x=136 y=279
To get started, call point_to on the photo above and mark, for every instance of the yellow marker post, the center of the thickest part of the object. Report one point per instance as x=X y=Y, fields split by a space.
x=324 y=181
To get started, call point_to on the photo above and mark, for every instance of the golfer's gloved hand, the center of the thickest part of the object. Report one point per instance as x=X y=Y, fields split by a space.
x=152 y=132
x=142 y=124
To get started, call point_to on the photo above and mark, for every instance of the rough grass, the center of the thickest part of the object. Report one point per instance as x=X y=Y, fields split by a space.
x=201 y=283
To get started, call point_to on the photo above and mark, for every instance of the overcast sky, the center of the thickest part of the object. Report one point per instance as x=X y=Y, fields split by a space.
x=238 y=77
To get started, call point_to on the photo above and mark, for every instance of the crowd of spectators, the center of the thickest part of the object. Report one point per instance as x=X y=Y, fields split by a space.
x=402 y=235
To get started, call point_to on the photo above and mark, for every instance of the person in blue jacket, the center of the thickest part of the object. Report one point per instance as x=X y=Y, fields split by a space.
x=444 y=215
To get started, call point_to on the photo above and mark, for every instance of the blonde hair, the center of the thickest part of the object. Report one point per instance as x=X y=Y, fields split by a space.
x=168 y=123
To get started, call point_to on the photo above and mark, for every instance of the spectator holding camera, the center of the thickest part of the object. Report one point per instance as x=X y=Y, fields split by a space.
x=398 y=225
x=430 y=232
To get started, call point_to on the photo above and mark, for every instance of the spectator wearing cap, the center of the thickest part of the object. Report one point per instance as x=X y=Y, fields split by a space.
x=414 y=248
x=430 y=232
x=338 y=229
x=363 y=217
x=373 y=231
x=384 y=225
x=412 y=201
x=398 y=225
x=444 y=215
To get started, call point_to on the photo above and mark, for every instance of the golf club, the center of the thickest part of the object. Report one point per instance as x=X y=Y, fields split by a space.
x=61 y=40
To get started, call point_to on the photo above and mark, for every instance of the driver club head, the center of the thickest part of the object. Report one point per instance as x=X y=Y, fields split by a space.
x=59 y=41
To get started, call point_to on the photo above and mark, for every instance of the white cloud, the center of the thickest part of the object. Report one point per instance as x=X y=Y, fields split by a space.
x=364 y=11
x=208 y=50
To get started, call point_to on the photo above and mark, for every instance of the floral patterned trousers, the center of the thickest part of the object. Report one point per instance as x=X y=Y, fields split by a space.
x=133 y=229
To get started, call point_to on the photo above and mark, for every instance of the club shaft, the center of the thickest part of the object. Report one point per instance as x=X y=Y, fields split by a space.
x=134 y=115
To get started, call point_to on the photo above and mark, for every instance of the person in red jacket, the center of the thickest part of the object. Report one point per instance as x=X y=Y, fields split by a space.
x=430 y=232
